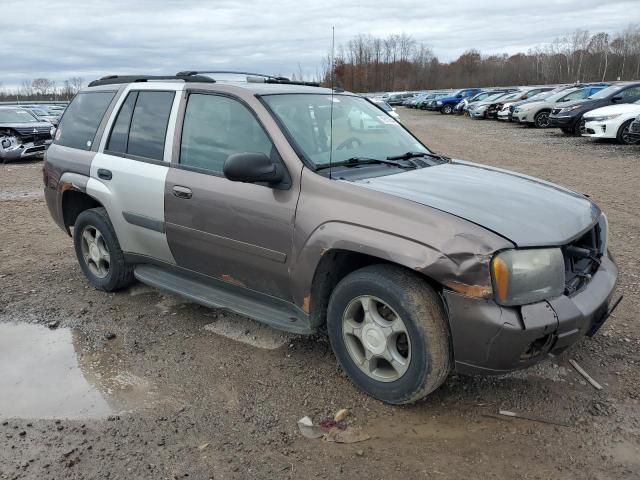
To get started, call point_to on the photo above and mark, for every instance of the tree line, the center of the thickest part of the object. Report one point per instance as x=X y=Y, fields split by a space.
x=399 y=62
x=42 y=89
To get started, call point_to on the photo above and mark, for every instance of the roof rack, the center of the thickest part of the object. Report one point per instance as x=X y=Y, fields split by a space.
x=115 y=79
x=257 y=77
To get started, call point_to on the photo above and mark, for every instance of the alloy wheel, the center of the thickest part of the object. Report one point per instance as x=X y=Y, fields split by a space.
x=376 y=338
x=95 y=252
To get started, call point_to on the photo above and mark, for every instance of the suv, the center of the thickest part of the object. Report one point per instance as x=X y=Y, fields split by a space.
x=537 y=113
x=570 y=117
x=262 y=199
x=446 y=104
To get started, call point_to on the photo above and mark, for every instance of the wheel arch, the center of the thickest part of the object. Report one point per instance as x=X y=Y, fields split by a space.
x=74 y=202
x=336 y=249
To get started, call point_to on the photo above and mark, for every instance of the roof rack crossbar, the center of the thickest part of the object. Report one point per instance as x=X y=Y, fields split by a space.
x=116 y=79
x=267 y=78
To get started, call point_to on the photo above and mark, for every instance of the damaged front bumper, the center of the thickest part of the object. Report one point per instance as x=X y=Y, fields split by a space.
x=491 y=339
x=17 y=151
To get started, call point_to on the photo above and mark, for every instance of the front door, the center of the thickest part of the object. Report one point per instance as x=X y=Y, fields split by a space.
x=237 y=232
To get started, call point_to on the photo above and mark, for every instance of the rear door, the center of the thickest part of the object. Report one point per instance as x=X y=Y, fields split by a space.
x=238 y=232
x=129 y=172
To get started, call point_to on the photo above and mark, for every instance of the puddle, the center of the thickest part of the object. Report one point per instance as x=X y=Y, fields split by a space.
x=249 y=331
x=48 y=374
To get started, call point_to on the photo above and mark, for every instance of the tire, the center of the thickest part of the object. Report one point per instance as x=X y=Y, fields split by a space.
x=579 y=128
x=623 y=134
x=541 y=119
x=420 y=351
x=446 y=109
x=110 y=275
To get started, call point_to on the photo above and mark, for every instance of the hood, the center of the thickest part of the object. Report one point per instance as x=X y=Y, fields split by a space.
x=621 y=108
x=25 y=128
x=572 y=103
x=527 y=211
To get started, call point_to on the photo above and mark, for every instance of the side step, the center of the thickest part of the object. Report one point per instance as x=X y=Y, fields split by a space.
x=215 y=293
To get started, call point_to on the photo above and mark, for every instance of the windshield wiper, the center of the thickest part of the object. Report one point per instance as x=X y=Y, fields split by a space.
x=410 y=155
x=353 y=161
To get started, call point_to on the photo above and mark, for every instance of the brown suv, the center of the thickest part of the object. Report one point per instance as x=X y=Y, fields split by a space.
x=268 y=198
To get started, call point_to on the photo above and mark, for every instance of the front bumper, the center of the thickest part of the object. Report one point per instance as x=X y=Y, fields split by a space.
x=490 y=339
x=600 y=129
x=24 y=150
x=562 y=121
x=478 y=113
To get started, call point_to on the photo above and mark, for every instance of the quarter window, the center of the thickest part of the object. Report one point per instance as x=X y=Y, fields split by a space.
x=631 y=94
x=216 y=127
x=82 y=118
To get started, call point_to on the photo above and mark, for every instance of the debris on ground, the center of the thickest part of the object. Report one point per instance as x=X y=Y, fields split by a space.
x=308 y=429
x=507 y=413
x=348 y=435
x=53 y=324
x=332 y=429
x=587 y=377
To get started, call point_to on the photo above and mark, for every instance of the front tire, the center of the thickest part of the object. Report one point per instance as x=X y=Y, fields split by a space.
x=389 y=332
x=623 y=134
x=446 y=109
x=541 y=120
x=99 y=253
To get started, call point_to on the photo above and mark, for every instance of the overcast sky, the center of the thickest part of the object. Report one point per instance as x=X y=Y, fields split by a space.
x=59 y=39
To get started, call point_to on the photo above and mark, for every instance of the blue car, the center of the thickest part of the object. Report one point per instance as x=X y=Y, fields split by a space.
x=446 y=104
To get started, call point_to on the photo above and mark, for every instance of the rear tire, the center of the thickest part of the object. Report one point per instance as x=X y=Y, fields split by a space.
x=389 y=332
x=623 y=134
x=99 y=253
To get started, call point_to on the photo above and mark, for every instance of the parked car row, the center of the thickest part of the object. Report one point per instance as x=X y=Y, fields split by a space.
x=598 y=110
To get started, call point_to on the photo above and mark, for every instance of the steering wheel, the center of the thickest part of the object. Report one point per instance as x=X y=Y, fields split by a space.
x=350 y=143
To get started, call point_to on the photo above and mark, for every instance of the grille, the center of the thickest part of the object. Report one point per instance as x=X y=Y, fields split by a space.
x=30 y=130
x=582 y=259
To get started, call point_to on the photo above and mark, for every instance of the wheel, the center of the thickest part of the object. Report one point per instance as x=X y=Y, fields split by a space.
x=623 y=134
x=579 y=129
x=541 y=119
x=389 y=332
x=446 y=109
x=98 y=251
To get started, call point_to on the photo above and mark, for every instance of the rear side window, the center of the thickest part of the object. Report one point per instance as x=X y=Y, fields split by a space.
x=141 y=125
x=82 y=118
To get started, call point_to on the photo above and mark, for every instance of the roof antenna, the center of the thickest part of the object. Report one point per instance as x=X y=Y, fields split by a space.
x=333 y=69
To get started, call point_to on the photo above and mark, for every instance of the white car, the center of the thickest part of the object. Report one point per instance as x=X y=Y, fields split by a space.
x=503 y=113
x=612 y=121
x=363 y=121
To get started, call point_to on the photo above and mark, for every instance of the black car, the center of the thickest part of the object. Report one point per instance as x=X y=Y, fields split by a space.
x=22 y=134
x=569 y=117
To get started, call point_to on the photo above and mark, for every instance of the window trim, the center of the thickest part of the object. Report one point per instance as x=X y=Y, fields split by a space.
x=175 y=157
x=129 y=156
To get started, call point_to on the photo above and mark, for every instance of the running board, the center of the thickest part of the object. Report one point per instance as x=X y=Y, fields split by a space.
x=215 y=293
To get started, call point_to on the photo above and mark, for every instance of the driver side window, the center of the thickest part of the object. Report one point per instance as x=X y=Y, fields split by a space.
x=216 y=127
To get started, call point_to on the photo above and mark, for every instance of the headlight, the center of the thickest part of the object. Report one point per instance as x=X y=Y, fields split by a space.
x=438 y=102
x=52 y=131
x=569 y=109
x=601 y=118
x=527 y=276
x=603 y=232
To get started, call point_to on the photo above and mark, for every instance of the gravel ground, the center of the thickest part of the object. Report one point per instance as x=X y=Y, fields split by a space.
x=154 y=387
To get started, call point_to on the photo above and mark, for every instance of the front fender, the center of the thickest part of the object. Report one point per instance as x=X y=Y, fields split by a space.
x=464 y=264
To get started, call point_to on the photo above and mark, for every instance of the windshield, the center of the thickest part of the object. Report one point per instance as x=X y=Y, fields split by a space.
x=605 y=92
x=16 y=115
x=359 y=128
x=541 y=95
x=495 y=96
x=558 y=95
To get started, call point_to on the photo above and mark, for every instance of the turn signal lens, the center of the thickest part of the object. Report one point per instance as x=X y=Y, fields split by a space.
x=501 y=278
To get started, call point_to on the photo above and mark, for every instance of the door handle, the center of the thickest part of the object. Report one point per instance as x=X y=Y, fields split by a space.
x=182 y=192
x=105 y=174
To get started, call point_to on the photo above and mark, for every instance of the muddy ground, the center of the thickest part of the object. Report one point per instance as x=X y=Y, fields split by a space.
x=142 y=385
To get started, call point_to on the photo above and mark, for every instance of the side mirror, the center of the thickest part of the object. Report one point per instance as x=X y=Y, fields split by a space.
x=252 y=168
x=616 y=99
